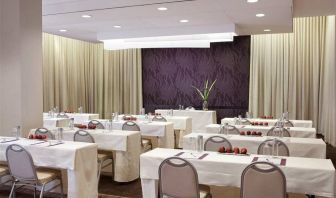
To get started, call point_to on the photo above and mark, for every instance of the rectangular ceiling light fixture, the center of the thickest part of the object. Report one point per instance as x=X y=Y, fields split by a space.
x=179 y=41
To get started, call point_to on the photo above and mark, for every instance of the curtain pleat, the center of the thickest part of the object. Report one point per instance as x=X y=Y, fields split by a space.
x=295 y=72
x=78 y=73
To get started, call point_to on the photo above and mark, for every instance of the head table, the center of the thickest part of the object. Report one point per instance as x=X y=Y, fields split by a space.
x=298 y=147
x=303 y=175
x=125 y=145
x=294 y=131
x=199 y=118
x=79 y=159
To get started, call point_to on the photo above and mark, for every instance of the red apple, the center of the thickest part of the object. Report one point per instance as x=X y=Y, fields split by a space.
x=259 y=133
x=236 y=150
x=221 y=149
x=243 y=151
x=242 y=133
x=248 y=132
x=261 y=123
x=228 y=150
x=265 y=123
x=254 y=133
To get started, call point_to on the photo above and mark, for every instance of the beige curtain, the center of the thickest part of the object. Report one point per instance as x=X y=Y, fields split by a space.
x=295 y=72
x=78 y=73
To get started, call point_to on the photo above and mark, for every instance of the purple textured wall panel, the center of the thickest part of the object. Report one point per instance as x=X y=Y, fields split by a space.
x=168 y=75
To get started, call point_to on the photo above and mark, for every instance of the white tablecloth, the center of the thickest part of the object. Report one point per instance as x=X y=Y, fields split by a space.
x=81 y=118
x=199 y=118
x=49 y=122
x=271 y=122
x=183 y=124
x=79 y=159
x=126 y=145
x=164 y=131
x=303 y=175
x=298 y=147
x=294 y=131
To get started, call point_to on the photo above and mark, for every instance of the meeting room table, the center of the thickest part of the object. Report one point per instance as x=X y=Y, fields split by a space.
x=271 y=122
x=77 y=158
x=124 y=145
x=199 y=118
x=298 y=147
x=55 y=122
x=301 y=132
x=79 y=118
x=162 y=131
x=182 y=125
x=303 y=175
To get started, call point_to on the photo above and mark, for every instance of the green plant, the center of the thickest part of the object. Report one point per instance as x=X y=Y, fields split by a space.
x=206 y=91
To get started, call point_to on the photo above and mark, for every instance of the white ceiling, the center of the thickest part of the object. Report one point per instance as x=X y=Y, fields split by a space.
x=140 y=18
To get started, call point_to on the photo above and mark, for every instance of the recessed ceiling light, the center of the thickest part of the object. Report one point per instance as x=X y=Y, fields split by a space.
x=86 y=16
x=184 y=20
x=63 y=30
x=260 y=15
x=267 y=30
x=252 y=1
x=162 y=8
x=117 y=26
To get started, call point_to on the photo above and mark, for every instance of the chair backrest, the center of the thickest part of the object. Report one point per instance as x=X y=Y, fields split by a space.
x=245 y=121
x=190 y=108
x=159 y=119
x=20 y=163
x=44 y=131
x=263 y=180
x=268 y=147
x=96 y=123
x=83 y=136
x=276 y=131
x=130 y=126
x=287 y=123
x=62 y=115
x=215 y=142
x=178 y=178
x=231 y=129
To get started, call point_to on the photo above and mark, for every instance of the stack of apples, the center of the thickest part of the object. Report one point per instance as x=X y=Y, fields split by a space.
x=254 y=133
x=259 y=123
x=266 y=117
x=92 y=126
x=129 y=118
x=36 y=136
x=235 y=150
x=80 y=126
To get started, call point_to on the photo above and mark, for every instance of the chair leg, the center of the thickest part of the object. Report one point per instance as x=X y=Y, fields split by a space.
x=99 y=170
x=310 y=196
x=12 y=190
x=61 y=183
x=42 y=190
x=34 y=191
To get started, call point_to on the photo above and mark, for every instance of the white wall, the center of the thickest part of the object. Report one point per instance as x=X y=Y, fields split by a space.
x=20 y=65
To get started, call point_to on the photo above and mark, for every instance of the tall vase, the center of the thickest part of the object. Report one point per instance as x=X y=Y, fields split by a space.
x=205 y=105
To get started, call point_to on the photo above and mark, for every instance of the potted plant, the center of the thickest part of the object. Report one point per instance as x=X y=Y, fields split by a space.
x=205 y=93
